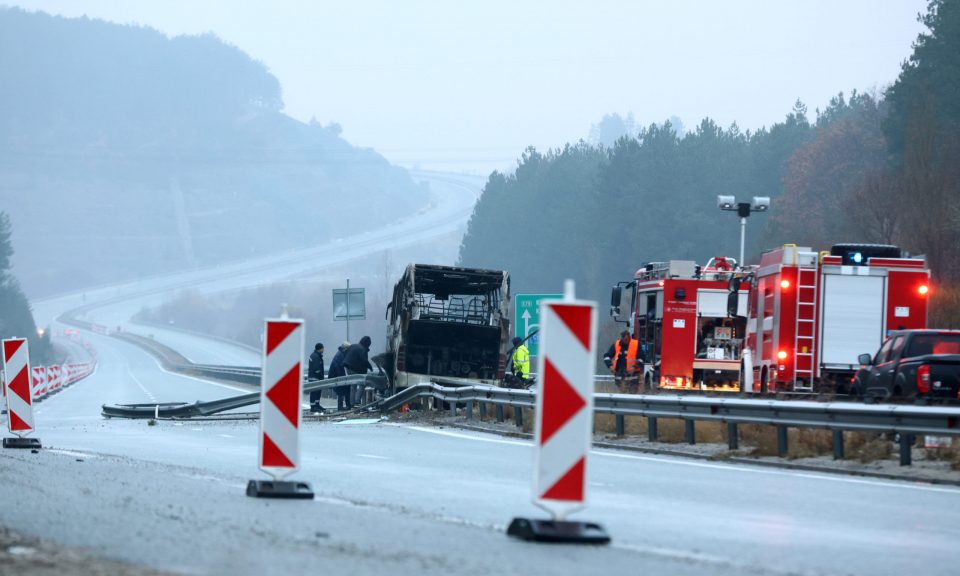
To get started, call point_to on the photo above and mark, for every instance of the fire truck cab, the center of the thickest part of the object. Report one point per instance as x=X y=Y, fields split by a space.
x=679 y=315
x=810 y=315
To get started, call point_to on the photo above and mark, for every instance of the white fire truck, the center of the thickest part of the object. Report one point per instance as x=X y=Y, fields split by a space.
x=678 y=313
x=798 y=320
x=810 y=315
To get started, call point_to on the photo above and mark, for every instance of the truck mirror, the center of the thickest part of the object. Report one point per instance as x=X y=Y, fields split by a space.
x=864 y=359
x=733 y=285
x=615 y=296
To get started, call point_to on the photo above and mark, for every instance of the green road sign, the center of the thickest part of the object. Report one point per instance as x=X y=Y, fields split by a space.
x=526 y=317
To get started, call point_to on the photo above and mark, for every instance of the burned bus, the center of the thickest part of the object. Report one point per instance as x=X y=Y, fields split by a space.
x=447 y=324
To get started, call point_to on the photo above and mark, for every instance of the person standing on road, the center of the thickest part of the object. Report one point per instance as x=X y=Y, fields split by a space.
x=357 y=361
x=315 y=372
x=623 y=360
x=344 y=402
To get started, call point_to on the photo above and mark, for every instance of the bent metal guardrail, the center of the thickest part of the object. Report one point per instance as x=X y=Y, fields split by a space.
x=199 y=409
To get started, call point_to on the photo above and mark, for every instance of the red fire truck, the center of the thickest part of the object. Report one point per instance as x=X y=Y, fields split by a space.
x=810 y=315
x=678 y=313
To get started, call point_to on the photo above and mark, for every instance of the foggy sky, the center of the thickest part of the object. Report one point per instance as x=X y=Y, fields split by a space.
x=468 y=85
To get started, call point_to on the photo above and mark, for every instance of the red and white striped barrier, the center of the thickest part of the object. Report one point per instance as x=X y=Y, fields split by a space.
x=281 y=391
x=16 y=366
x=39 y=382
x=53 y=379
x=563 y=431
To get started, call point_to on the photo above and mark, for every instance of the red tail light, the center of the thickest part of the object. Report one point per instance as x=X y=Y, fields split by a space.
x=923 y=379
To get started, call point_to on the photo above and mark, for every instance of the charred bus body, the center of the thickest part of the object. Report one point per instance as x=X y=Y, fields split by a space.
x=448 y=322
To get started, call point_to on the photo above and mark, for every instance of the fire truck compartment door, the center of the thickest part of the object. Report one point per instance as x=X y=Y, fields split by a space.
x=713 y=304
x=852 y=318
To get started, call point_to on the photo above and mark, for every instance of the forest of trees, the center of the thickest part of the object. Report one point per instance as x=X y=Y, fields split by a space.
x=125 y=152
x=881 y=168
x=16 y=319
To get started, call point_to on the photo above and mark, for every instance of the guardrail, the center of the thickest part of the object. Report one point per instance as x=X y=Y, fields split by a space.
x=173 y=410
x=906 y=421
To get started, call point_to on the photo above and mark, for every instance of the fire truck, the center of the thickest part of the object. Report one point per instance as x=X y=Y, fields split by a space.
x=796 y=322
x=679 y=315
x=810 y=314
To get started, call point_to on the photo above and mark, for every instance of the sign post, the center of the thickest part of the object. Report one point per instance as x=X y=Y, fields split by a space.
x=281 y=389
x=563 y=431
x=526 y=318
x=19 y=388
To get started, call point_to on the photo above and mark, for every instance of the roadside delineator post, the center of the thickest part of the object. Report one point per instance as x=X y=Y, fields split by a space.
x=281 y=391
x=19 y=386
x=564 y=422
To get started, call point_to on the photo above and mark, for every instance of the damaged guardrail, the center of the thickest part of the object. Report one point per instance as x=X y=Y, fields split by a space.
x=176 y=410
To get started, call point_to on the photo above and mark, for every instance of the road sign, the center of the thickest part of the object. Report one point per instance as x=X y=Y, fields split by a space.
x=281 y=390
x=526 y=317
x=349 y=304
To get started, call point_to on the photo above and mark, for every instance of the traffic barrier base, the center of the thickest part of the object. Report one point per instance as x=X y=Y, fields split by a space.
x=279 y=489
x=559 y=531
x=33 y=443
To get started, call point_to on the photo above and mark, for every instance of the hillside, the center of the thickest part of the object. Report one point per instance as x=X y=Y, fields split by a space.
x=124 y=152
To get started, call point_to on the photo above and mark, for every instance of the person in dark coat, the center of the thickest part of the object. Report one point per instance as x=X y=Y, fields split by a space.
x=337 y=369
x=357 y=361
x=315 y=372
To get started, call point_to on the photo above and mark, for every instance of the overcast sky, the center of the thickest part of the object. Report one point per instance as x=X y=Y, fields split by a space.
x=470 y=84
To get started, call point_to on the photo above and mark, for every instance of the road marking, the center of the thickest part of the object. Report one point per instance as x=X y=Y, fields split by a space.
x=465 y=436
x=373 y=456
x=201 y=380
x=911 y=485
x=73 y=453
x=227 y=436
x=679 y=461
x=142 y=387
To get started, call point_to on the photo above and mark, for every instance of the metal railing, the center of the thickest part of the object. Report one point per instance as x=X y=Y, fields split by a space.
x=903 y=420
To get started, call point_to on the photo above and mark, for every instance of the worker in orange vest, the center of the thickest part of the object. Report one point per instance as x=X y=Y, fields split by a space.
x=623 y=360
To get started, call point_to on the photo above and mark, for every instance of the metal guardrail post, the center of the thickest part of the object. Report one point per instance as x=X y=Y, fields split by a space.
x=782 y=447
x=838 y=444
x=906 y=445
x=690 y=431
x=453 y=409
x=652 y=429
x=470 y=410
x=621 y=425
x=499 y=411
x=518 y=416
x=733 y=436
x=483 y=411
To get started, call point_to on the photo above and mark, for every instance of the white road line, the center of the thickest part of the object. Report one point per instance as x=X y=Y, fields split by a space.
x=372 y=456
x=142 y=387
x=680 y=461
x=227 y=386
x=72 y=453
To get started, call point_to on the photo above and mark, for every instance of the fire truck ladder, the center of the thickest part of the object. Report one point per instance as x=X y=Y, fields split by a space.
x=804 y=329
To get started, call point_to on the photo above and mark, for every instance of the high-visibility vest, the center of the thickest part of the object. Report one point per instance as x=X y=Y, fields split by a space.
x=632 y=361
x=521 y=361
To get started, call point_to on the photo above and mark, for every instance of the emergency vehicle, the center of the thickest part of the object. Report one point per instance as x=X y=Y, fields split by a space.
x=812 y=314
x=679 y=315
